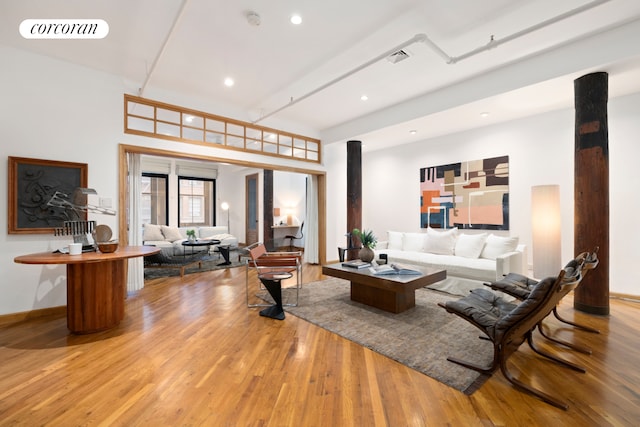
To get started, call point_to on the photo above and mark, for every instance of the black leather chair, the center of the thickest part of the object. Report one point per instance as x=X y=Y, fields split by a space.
x=519 y=286
x=296 y=236
x=508 y=325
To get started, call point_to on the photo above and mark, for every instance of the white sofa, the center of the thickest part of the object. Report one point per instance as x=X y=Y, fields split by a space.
x=469 y=259
x=170 y=239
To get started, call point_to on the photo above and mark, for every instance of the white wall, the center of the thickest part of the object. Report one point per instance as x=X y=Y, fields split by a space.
x=53 y=111
x=540 y=150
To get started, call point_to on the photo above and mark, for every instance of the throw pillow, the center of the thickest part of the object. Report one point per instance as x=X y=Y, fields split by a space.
x=413 y=242
x=151 y=232
x=470 y=245
x=395 y=240
x=497 y=245
x=171 y=233
x=441 y=242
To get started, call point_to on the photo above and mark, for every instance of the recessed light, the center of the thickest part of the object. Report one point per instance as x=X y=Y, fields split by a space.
x=228 y=82
x=484 y=114
x=364 y=97
x=296 y=19
x=413 y=131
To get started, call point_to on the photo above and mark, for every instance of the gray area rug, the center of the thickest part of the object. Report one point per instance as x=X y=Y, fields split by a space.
x=420 y=338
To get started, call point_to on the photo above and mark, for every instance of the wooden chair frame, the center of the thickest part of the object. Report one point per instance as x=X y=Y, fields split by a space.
x=508 y=329
x=519 y=286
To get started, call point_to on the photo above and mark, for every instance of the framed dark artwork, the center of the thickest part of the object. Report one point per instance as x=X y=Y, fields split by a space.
x=467 y=195
x=32 y=185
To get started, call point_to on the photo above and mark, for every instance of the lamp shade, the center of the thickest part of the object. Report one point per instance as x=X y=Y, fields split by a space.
x=545 y=228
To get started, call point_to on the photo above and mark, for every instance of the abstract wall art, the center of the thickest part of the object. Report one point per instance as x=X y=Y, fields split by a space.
x=32 y=184
x=466 y=195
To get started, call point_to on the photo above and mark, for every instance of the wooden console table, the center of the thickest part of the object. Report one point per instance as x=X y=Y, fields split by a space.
x=96 y=285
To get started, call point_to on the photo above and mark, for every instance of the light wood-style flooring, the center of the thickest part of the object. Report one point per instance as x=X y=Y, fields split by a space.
x=190 y=353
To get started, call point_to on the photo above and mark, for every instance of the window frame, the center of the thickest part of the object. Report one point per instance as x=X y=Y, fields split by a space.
x=166 y=192
x=213 y=206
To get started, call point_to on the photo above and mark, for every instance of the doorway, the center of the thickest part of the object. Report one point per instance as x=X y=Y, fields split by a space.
x=123 y=186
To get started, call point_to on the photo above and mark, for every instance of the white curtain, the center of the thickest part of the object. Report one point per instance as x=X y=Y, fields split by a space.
x=311 y=222
x=135 y=280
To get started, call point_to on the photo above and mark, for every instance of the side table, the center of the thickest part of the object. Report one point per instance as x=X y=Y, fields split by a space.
x=96 y=285
x=271 y=281
x=224 y=251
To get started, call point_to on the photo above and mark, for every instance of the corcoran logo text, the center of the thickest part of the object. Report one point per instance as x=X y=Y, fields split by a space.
x=64 y=29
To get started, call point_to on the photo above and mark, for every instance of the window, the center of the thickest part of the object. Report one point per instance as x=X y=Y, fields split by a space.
x=154 y=204
x=196 y=202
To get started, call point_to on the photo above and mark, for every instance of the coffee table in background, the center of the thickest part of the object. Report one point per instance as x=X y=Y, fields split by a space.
x=393 y=293
x=199 y=243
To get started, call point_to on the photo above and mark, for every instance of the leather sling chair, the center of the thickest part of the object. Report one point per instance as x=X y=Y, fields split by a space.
x=519 y=286
x=270 y=262
x=508 y=325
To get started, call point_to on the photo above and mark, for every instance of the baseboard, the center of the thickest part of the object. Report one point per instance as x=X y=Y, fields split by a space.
x=6 y=319
x=626 y=297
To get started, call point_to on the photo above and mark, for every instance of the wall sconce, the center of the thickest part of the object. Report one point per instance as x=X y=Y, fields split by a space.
x=545 y=228
x=276 y=211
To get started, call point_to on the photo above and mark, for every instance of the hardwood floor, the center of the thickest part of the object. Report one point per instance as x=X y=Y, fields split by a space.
x=190 y=353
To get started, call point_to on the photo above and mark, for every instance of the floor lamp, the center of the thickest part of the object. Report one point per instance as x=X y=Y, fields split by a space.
x=225 y=207
x=545 y=228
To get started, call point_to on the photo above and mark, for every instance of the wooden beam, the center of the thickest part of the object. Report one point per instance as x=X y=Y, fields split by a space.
x=591 y=186
x=354 y=187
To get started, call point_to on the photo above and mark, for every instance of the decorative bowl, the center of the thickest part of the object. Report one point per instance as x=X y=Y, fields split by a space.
x=108 y=247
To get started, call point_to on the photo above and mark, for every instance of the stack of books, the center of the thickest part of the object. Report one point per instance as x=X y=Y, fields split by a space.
x=356 y=263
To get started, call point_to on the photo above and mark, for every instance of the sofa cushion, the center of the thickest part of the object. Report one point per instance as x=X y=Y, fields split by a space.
x=395 y=240
x=498 y=245
x=456 y=266
x=441 y=242
x=220 y=237
x=151 y=232
x=171 y=233
x=413 y=242
x=206 y=232
x=470 y=245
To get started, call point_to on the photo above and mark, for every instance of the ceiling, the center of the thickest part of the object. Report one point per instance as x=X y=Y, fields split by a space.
x=315 y=73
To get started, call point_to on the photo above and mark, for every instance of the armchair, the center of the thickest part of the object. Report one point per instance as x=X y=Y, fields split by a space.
x=519 y=286
x=263 y=263
x=507 y=326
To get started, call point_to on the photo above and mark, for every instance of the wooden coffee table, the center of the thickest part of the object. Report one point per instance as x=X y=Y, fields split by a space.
x=393 y=293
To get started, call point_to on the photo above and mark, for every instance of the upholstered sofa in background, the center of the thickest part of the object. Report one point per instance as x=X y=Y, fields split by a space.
x=470 y=259
x=170 y=239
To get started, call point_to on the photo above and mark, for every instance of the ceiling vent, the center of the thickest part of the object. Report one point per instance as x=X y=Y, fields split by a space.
x=398 y=56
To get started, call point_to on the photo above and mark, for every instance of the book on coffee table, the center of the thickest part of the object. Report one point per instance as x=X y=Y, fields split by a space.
x=356 y=263
x=389 y=269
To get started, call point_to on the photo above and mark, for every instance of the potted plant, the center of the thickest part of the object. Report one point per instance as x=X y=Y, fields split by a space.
x=191 y=235
x=368 y=240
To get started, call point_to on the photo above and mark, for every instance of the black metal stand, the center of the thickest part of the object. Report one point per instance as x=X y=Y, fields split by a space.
x=272 y=283
x=224 y=251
